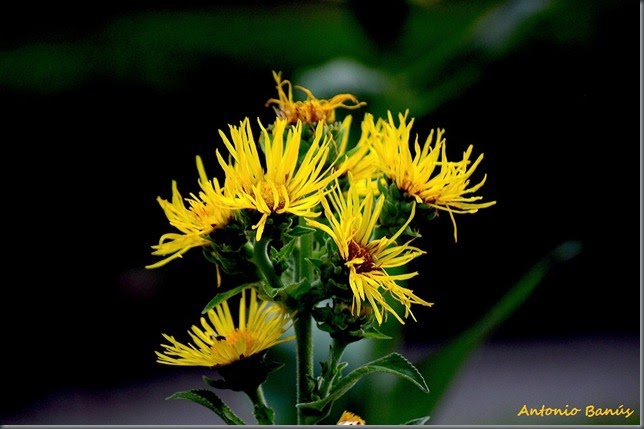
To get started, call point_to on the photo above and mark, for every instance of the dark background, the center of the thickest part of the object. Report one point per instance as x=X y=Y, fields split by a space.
x=87 y=148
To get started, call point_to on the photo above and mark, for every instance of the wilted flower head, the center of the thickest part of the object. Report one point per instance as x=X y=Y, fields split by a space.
x=311 y=110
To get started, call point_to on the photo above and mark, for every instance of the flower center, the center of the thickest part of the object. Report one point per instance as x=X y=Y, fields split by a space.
x=238 y=342
x=270 y=193
x=357 y=251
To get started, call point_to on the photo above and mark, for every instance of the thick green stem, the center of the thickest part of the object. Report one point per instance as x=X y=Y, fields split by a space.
x=306 y=252
x=303 y=328
x=263 y=413
x=264 y=264
x=304 y=354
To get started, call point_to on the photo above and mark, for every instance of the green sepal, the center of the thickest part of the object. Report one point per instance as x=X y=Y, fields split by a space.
x=340 y=322
x=393 y=363
x=211 y=401
x=272 y=366
x=217 y=384
x=223 y=296
x=397 y=208
x=418 y=421
x=374 y=334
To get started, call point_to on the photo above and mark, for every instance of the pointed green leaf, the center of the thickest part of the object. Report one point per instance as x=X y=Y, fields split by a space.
x=284 y=253
x=211 y=401
x=393 y=363
x=317 y=263
x=223 y=296
x=375 y=334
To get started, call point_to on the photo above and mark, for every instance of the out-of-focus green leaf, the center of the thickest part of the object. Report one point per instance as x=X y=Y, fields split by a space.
x=442 y=367
x=156 y=48
x=443 y=48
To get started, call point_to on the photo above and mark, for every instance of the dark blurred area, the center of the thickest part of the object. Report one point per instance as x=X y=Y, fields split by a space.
x=89 y=146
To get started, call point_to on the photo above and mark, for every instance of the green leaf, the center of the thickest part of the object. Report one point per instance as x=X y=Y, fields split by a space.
x=299 y=230
x=223 y=296
x=211 y=401
x=418 y=421
x=317 y=263
x=283 y=254
x=264 y=414
x=375 y=334
x=393 y=363
x=296 y=290
x=442 y=367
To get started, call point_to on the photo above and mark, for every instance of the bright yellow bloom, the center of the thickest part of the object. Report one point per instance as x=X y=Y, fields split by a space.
x=428 y=176
x=351 y=419
x=196 y=222
x=219 y=343
x=284 y=186
x=361 y=161
x=312 y=109
x=351 y=226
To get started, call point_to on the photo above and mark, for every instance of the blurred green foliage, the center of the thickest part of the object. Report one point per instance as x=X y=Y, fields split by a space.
x=436 y=51
x=439 y=47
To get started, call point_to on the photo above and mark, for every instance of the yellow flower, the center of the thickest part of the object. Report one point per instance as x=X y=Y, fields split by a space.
x=428 y=176
x=196 y=222
x=312 y=109
x=283 y=186
x=361 y=161
x=351 y=226
x=349 y=418
x=220 y=343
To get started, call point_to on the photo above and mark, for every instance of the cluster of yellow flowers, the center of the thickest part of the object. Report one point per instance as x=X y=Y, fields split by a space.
x=296 y=180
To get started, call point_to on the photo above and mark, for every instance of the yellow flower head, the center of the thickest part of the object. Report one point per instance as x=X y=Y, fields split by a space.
x=362 y=162
x=428 y=176
x=351 y=226
x=196 y=222
x=284 y=185
x=351 y=419
x=219 y=343
x=311 y=110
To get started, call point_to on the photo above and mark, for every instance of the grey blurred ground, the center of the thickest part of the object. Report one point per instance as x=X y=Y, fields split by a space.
x=495 y=383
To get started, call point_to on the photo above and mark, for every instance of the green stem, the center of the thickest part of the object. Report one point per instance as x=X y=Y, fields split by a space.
x=306 y=252
x=304 y=356
x=263 y=413
x=264 y=264
x=335 y=354
x=303 y=328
